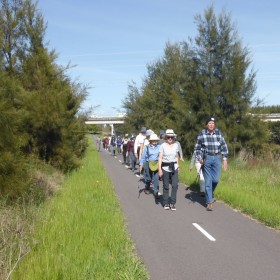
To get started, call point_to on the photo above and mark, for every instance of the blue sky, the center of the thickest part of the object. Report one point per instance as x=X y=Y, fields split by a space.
x=112 y=42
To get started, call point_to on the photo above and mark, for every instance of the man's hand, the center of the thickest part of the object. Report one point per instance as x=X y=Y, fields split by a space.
x=225 y=165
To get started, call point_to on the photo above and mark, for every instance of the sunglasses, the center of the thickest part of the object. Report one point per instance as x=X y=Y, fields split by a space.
x=170 y=137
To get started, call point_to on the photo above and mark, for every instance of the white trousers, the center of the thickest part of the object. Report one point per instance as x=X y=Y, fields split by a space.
x=201 y=178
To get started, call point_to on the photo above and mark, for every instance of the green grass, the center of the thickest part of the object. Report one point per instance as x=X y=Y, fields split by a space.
x=81 y=232
x=253 y=188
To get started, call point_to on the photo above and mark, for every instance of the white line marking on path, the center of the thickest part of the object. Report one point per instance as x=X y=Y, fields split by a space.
x=204 y=232
x=120 y=160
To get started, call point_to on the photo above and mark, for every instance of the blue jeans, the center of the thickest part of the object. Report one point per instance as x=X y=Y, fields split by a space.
x=211 y=171
x=146 y=173
x=166 y=177
x=150 y=176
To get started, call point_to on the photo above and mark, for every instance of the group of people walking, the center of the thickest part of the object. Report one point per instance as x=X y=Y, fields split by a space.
x=159 y=159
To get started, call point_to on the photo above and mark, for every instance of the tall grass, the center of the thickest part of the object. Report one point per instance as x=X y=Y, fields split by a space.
x=81 y=233
x=253 y=188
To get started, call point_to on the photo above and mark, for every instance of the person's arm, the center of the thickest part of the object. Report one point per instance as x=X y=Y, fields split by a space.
x=160 y=163
x=197 y=148
x=225 y=164
x=136 y=145
x=141 y=150
x=224 y=152
x=143 y=157
x=178 y=159
x=180 y=151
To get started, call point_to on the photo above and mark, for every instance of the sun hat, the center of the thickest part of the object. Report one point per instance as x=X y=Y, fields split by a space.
x=154 y=137
x=149 y=132
x=209 y=119
x=170 y=132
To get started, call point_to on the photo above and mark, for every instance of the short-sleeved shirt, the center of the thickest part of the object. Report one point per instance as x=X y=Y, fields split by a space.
x=169 y=154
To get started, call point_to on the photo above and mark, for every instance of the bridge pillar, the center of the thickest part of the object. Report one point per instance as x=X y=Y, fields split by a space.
x=112 y=129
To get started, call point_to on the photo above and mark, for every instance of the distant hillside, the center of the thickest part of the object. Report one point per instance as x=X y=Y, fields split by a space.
x=265 y=109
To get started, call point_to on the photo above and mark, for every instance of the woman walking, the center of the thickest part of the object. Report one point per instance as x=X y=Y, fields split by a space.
x=130 y=152
x=150 y=157
x=169 y=169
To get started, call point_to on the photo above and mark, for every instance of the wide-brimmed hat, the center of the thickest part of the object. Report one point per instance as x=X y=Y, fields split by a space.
x=153 y=137
x=169 y=132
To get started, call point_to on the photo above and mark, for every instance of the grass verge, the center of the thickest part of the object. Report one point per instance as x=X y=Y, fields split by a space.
x=80 y=233
x=253 y=188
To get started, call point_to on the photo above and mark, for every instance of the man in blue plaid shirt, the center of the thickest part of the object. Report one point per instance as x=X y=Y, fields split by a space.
x=209 y=145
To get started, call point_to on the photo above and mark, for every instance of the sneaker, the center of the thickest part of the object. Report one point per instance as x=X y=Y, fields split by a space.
x=209 y=207
x=166 y=207
x=157 y=195
x=172 y=207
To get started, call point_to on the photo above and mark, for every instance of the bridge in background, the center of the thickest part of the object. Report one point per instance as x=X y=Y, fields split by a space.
x=120 y=120
x=106 y=121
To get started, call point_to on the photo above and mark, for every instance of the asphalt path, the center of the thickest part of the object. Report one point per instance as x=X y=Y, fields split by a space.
x=192 y=243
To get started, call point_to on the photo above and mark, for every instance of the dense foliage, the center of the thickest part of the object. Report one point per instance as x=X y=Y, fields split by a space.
x=39 y=104
x=207 y=75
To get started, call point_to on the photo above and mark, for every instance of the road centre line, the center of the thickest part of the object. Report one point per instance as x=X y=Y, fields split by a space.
x=204 y=232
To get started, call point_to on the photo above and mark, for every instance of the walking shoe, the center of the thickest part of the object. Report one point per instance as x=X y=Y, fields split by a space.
x=147 y=189
x=172 y=207
x=157 y=195
x=209 y=207
x=166 y=207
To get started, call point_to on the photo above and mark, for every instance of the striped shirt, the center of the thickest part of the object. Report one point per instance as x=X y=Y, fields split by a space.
x=212 y=144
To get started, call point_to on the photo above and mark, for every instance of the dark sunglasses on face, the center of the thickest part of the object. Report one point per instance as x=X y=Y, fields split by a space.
x=169 y=137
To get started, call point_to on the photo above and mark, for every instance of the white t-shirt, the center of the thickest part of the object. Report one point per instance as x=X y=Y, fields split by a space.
x=139 y=139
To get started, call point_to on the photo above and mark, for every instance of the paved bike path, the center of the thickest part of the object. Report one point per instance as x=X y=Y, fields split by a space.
x=173 y=244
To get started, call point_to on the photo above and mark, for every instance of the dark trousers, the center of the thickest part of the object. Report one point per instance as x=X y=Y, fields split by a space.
x=132 y=160
x=124 y=155
x=166 y=178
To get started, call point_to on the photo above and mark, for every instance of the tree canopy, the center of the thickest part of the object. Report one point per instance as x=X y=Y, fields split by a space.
x=210 y=74
x=39 y=116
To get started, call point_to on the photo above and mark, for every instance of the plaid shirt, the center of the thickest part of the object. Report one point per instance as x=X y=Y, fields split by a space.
x=210 y=144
